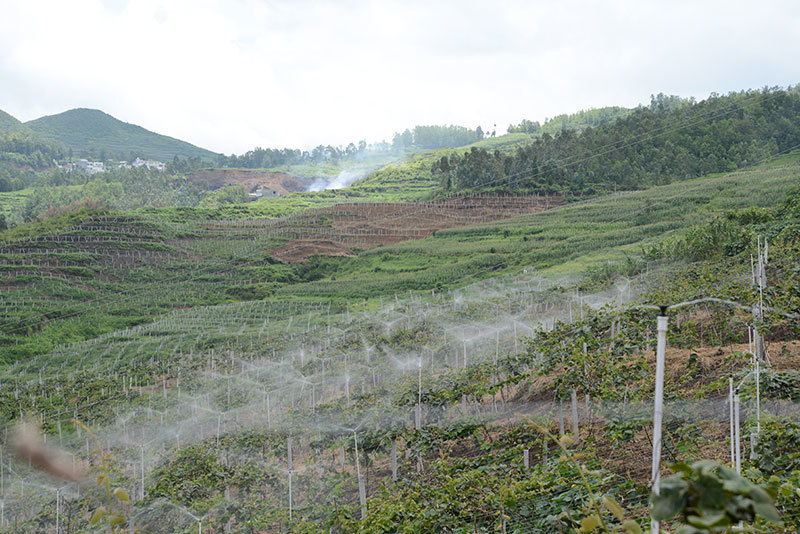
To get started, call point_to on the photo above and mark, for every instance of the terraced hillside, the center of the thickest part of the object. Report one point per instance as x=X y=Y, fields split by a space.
x=121 y=278
x=336 y=230
x=420 y=384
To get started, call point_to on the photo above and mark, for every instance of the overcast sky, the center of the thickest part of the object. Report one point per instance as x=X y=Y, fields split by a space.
x=230 y=75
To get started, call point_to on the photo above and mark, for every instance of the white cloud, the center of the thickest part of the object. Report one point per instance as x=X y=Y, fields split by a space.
x=231 y=75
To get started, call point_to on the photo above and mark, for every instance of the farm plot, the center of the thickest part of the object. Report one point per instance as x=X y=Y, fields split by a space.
x=336 y=230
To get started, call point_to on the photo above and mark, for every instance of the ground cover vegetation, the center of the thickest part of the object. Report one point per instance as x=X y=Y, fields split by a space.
x=483 y=376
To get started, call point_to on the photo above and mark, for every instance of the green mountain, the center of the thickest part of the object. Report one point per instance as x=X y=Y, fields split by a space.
x=10 y=124
x=92 y=133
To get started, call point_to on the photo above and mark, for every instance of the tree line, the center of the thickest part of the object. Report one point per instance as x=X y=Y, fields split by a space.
x=420 y=137
x=669 y=140
x=20 y=149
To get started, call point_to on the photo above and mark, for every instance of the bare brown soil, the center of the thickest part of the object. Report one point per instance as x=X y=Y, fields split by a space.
x=281 y=182
x=338 y=229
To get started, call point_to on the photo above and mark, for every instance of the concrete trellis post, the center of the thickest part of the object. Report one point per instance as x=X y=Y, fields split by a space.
x=362 y=493
x=736 y=431
x=730 y=417
x=394 y=460
x=289 y=463
x=574 y=412
x=658 y=411
x=418 y=411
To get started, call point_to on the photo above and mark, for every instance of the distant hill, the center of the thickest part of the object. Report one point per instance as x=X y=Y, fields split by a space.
x=9 y=124
x=92 y=133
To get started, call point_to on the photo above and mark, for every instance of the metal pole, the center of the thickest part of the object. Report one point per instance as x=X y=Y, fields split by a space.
x=658 y=411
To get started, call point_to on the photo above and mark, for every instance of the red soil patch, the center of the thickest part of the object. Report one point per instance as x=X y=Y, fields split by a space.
x=367 y=225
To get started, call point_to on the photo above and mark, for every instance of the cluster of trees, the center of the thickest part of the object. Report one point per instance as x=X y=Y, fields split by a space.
x=122 y=189
x=431 y=137
x=595 y=117
x=667 y=141
x=265 y=158
x=24 y=150
x=576 y=121
x=421 y=137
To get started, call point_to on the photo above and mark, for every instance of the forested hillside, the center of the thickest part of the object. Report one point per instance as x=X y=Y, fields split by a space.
x=573 y=121
x=651 y=146
x=9 y=124
x=94 y=134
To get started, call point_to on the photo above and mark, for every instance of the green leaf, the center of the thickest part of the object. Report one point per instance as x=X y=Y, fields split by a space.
x=121 y=494
x=631 y=526
x=681 y=467
x=613 y=507
x=590 y=523
x=739 y=485
x=767 y=511
x=758 y=494
x=116 y=520
x=671 y=499
x=98 y=515
x=707 y=521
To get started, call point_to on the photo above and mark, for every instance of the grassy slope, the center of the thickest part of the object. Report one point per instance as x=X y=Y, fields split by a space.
x=562 y=241
x=11 y=202
x=399 y=176
x=88 y=129
x=202 y=267
x=411 y=177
